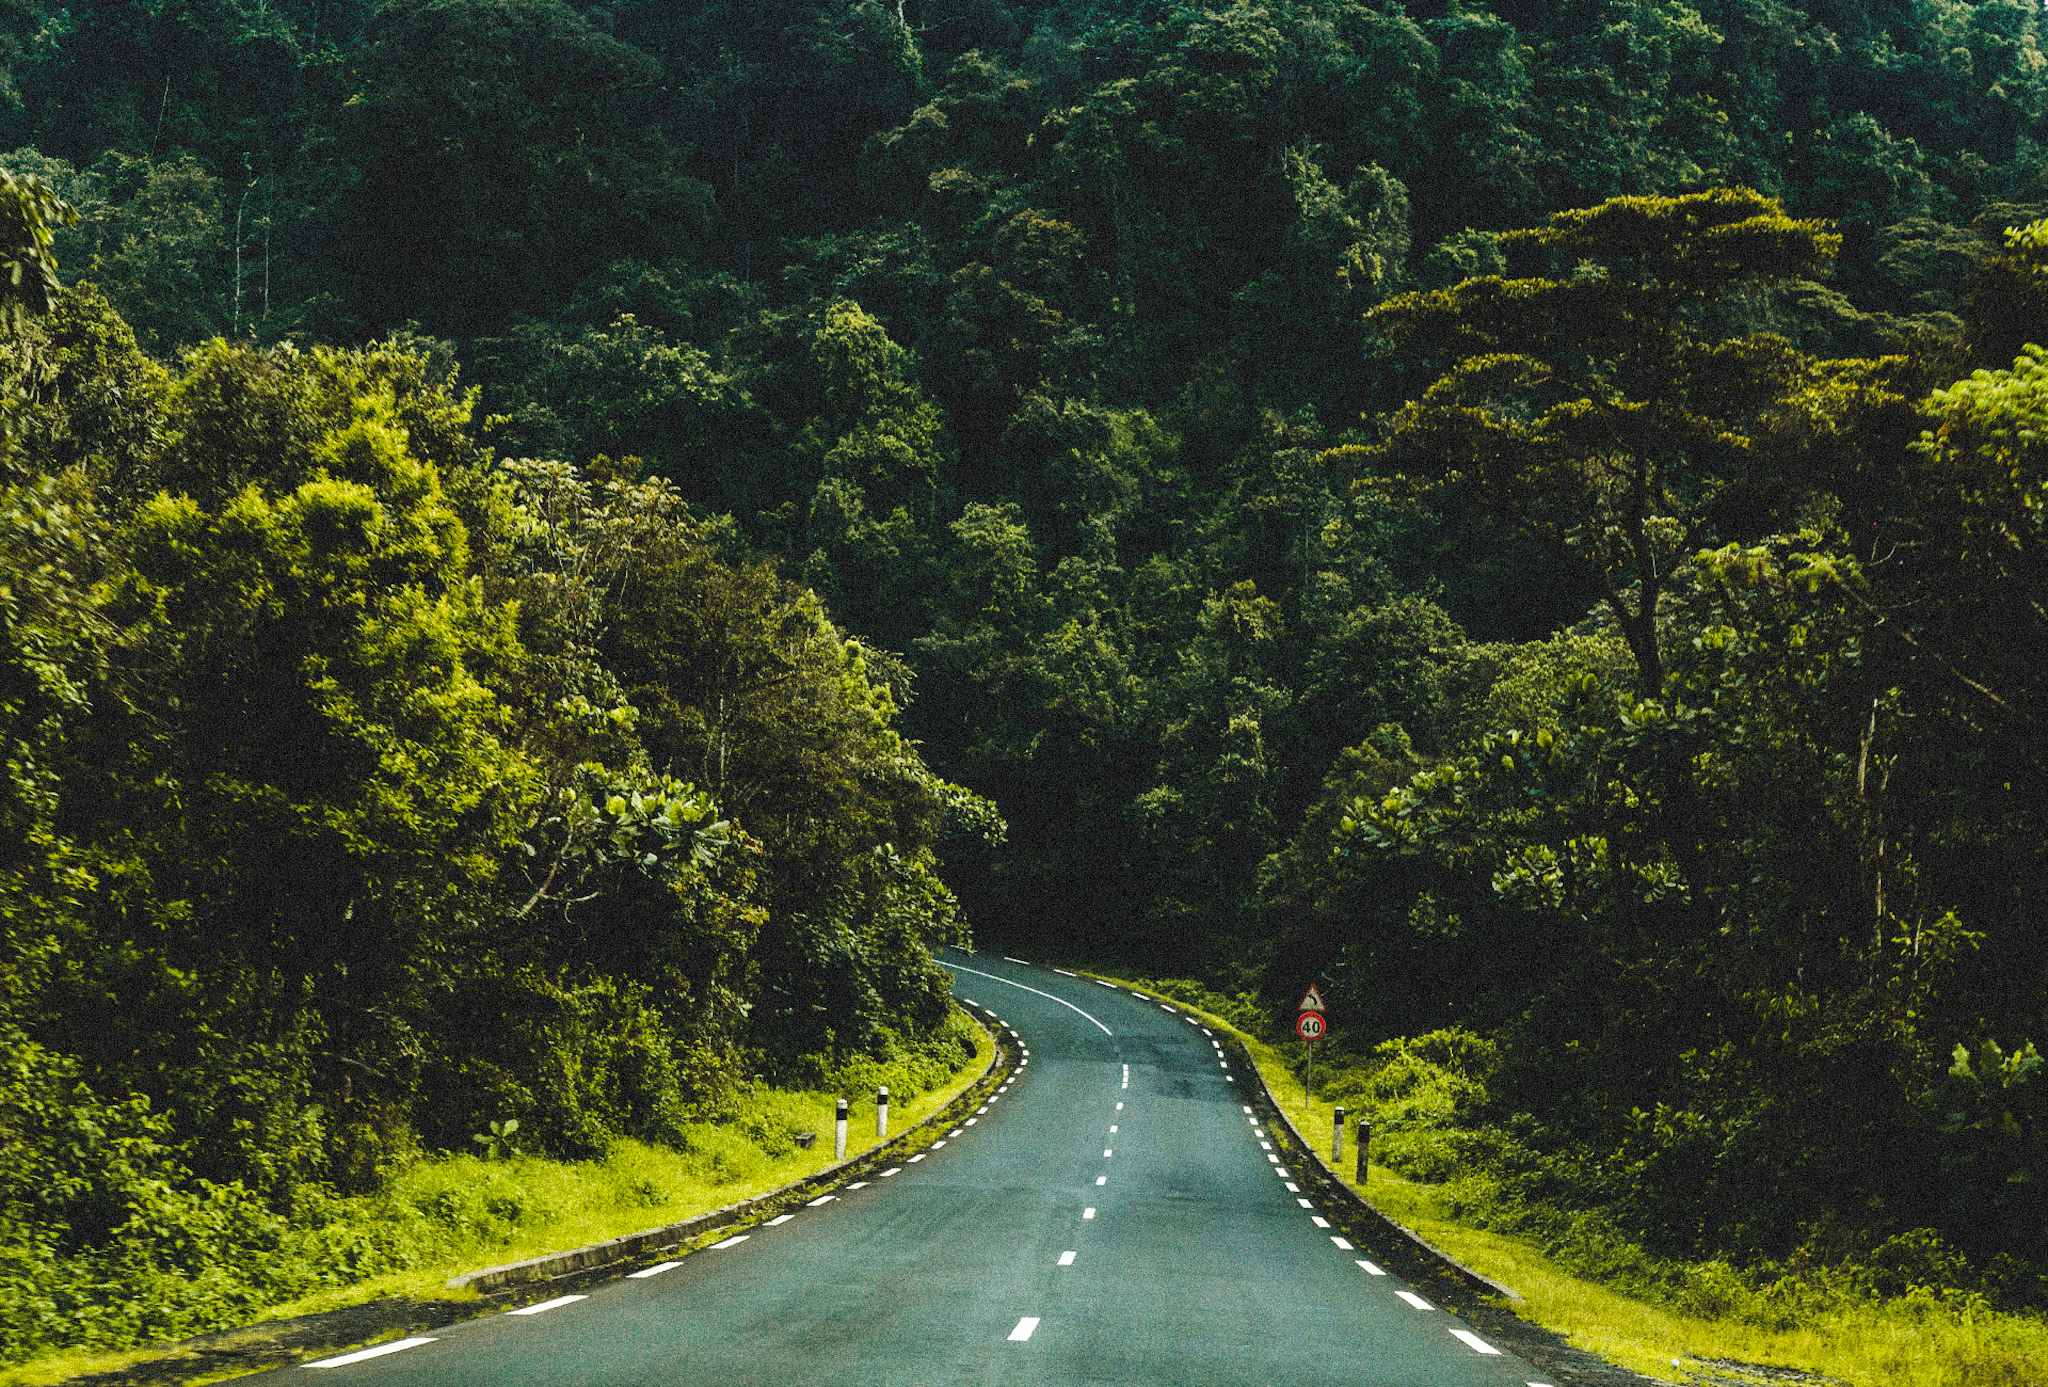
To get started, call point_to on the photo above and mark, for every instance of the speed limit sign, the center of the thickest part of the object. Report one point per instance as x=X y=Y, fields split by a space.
x=1309 y=1025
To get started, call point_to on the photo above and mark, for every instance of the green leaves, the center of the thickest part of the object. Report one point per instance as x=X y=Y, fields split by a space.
x=30 y=213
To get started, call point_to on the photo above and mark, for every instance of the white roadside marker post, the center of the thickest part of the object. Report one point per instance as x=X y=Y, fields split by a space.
x=839 y=1133
x=1337 y=1136
x=1364 y=1140
x=882 y=1111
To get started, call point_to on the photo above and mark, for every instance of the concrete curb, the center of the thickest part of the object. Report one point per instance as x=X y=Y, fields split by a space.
x=1333 y=1186
x=278 y=1343
x=671 y=1236
x=1342 y=1189
x=1455 y=1286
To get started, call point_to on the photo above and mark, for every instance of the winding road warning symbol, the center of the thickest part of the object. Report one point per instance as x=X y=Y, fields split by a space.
x=1312 y=1000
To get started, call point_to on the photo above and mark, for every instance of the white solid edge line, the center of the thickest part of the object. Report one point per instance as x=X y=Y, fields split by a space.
x=731 y=1242
x=1415 y=1300
x=557 y=1303
x=1473 y=1341
x=1047 y=995
x=1066 y=1259
x=657 y=1269
x=1024 y=1328
x=1370 y=1269
x=364 y=1353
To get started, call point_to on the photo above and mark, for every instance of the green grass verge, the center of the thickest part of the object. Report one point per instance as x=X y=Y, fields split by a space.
x=488 y=1213
x=1906 y=1341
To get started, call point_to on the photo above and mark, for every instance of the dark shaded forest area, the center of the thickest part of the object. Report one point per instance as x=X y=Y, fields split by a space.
x=1486 y=505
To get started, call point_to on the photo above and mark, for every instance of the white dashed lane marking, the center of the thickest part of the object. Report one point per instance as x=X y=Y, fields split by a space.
x=858 y=1185
x=1319 y=1221
x=821 y=1200
x=1007 y=959
x=1303 y=1202
x=1473 y=1341
x=1066 y=1259
x=363 y=1354
x=1415 y=1300
x=1102 y=1179
x=546 y=1305
x=657 y=1269
x=778 y=1220
x=1087 y=1213
x=892 y=1170
x=1370 y=1269
x=1025 y=1328
x=1343 y=1244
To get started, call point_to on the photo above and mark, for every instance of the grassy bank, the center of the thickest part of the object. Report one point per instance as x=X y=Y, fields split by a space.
x=1922 y=1339
x=451 y=1214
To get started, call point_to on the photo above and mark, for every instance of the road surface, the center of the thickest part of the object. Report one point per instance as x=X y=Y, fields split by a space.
x=1115 y=1215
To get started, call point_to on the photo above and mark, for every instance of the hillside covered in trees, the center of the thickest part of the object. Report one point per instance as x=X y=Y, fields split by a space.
x=1486 y=504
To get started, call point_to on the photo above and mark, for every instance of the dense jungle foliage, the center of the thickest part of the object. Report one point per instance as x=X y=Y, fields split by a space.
x=367 y=794
x=1533 y=513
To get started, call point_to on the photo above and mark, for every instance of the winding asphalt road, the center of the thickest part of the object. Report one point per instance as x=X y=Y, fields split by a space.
x=1116 y=1215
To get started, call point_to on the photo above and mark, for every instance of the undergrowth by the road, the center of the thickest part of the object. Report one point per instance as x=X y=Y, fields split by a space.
x=1439 y=1171
x=453 y=1213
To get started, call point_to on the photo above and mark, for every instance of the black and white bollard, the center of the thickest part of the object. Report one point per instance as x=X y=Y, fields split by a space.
x=839 y=1133
x=1364 y=1139
x=882 y=1111
x=1337 y=1137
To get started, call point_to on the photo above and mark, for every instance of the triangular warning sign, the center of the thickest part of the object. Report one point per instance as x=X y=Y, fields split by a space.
x=1312 y=1000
